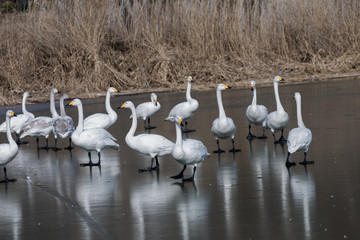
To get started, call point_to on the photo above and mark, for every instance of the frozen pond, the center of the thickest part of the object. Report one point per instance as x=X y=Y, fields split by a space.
x=249 y=195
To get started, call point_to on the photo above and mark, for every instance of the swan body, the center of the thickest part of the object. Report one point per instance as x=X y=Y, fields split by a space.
x=187 y=152
x=94 y=139
x=64 y=125
x=9 y=150
x=256 y=114
x=42 y=126
x=153 y=145
x=17 y=123
x=299 y=139
x=223 y=127
x=184 y=110
x=102 y=120
x=147 y=110
x=278 y=119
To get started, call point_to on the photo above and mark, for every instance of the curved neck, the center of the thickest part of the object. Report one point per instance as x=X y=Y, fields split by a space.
x=179 y=140
x=24 y=105
x=298 y=113
x=134 y=123
x=107 y=104
x=8 y=132
x=80 y=126
x=188 y=96
x=254 y=97
x=220 y=104
x=279 y=107
x=52 y=106
x=62 y=107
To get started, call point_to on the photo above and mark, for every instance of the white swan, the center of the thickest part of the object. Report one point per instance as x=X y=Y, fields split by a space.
x=42 y=126
x=278 y=119
x=187 y=152
x=299 y=138
x=223 y=127
x=64 y=125
x=153 y=145
x=94 y=139
x=256 y=114
x=9 y=150
x=18 y=122
x=102 y=120
x=184 y=110
x=147 y=109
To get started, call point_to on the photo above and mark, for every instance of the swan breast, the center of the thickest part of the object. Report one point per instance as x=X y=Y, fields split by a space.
x=223 y=128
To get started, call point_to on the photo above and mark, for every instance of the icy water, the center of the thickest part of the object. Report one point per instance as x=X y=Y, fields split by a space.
x=249 y=195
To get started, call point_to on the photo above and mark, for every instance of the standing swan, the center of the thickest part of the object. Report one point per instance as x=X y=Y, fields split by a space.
x=184 y=110
x=147 y=109
x=9 y=150
x=95 y=139
x=256 y=114
x=278 y=119
x=102 y=120
x=42 y=126
x=187 y=152
x=299 y=138
x=153 y=145
x=17 y=123
x=223 y=127
x=64 y=125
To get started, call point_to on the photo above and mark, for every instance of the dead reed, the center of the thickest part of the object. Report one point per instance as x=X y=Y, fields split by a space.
x=82 y=47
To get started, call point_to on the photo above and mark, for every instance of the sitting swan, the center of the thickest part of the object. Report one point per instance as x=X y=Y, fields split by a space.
x=95 y=139
x=223 y=127
x=147 y=109
x=18 y=122
x=42 y=126
x=184 y=110
x=9 y=150
x=187 y=152
x=299 y=138
x=278 y=119
x=102 y=120
x=256 y=114
x=64 y=125
x=153 y=145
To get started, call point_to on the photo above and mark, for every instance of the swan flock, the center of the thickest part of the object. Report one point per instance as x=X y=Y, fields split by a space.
x=91 y=134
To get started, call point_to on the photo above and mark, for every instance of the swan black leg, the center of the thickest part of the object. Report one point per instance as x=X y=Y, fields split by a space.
x=186 y=130
x=288 y=163
x=190 y=179
x=250 y=136
x=55 y=148
x=69 y=147
x=233 y=148
x=282 y=140
x=148 y=125
x=306 y=162
x=180 y=175
x=219 y=149
x=150 y=168
x=6 y=178
x=37 y=143
x=263 y=136
x=90 y=163
x=18 y=142
x=157 y=163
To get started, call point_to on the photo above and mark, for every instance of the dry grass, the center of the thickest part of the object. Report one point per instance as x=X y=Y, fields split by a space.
x=82 y=47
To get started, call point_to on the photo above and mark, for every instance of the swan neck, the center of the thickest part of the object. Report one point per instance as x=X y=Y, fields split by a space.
x=188 y=90
x=298 y=113
x=23 y=105
x=8 y=132
x=62 y=107
x=220 y=104
x=52 y=106
x=254 y=97
x=109 y=110
x=179 y=139
x=80 y=126
x=133 y=124
x=279 y=107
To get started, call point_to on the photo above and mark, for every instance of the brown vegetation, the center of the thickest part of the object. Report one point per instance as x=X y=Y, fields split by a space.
x=82 y=46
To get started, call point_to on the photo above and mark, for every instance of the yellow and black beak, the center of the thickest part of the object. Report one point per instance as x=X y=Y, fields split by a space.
x=227 y=87
x=252 y=87
x=70 y=103
x=13 y=114
x=123 y=106
x=281 y=79
x=116 y=90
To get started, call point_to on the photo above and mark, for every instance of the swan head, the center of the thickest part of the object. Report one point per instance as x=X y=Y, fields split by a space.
x=252 y=83
x=278 y=79
x=26 y=94
x=54 y=90
x=10 y=113
x=190 y=79
x=76 y=102
x=297 y=96
x=64 y=96
x=154 y=98
x=112 y=90
x=127 y=104
x=179 y=121
x=221 y=87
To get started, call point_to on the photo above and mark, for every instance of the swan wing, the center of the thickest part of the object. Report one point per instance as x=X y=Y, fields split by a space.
x=64 y=126
x=194 y=151
x=299 y=139
x=97 y=120
x=40 y=126
x=152 y=144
